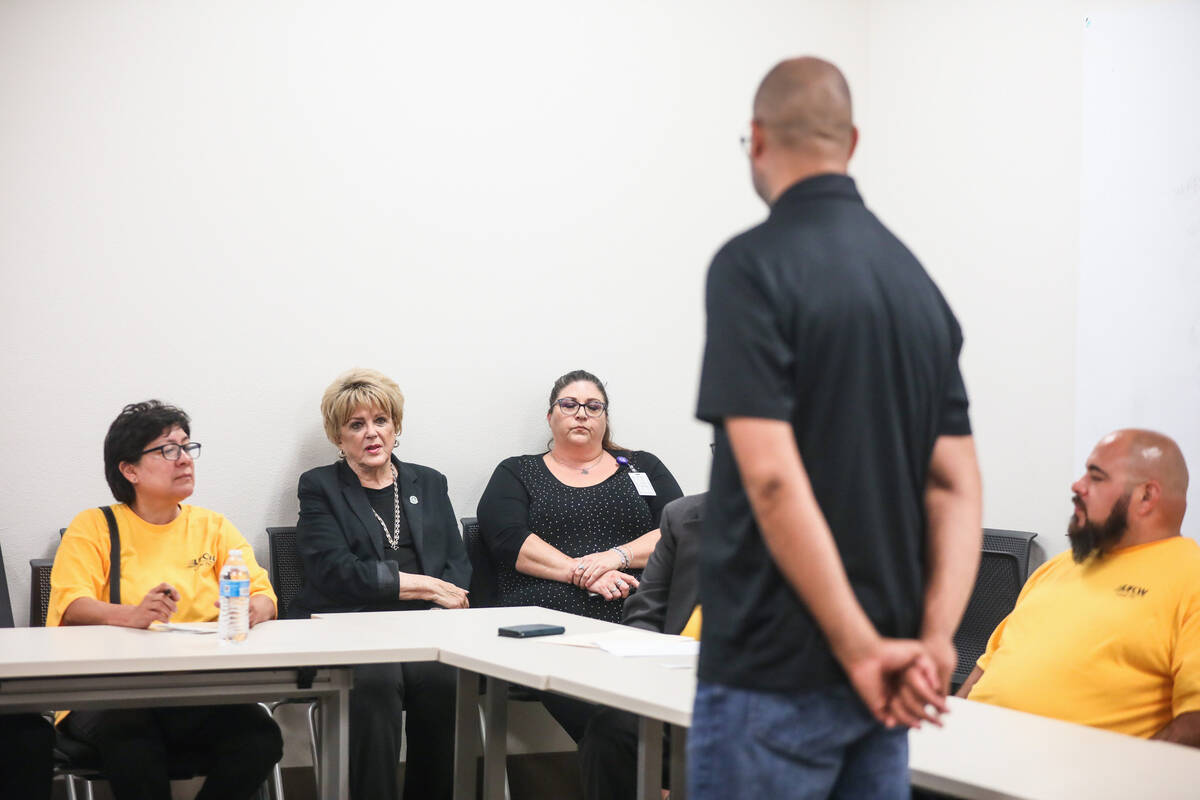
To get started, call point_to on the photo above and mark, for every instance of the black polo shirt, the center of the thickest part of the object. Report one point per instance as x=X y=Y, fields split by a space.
x=822 y=318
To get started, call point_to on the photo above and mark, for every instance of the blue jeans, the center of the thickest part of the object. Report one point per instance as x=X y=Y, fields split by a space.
x=812 y=744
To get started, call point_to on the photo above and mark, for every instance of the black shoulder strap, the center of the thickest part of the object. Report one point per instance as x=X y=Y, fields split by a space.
x=114 y=557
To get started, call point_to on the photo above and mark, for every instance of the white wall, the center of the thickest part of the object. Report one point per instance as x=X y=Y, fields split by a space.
x=226 y=205
x=970 y=151
x=1140 y=229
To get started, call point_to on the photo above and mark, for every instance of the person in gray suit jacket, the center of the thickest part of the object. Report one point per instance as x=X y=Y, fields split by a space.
x=664 y=601
x=379 y=534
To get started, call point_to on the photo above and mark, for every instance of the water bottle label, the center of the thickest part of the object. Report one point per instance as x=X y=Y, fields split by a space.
x=233 y=588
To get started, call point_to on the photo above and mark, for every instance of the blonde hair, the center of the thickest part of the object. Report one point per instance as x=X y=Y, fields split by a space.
x=355 y=389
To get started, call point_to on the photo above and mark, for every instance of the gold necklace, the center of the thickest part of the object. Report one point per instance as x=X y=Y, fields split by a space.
x=392 y=536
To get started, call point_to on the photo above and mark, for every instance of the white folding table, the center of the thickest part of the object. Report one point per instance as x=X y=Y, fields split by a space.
x=101 y=666
x=984 y=752
x=468 y=639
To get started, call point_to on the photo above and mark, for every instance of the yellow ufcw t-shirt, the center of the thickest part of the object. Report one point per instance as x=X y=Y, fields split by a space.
x=1113 y=643
x=694 y=623
x=187 y=553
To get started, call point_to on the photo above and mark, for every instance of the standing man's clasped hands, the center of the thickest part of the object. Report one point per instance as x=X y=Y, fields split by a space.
x=900 y=682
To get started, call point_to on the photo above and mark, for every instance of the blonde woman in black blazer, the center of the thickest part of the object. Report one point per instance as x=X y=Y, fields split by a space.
x=379 y=534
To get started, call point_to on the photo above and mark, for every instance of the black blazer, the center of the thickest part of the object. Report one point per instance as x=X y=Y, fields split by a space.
x=666 y=597
x=345 y=561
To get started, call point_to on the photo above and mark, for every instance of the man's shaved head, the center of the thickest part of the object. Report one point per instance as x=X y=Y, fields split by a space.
x=804 y=103
x=1154 y=456
x=1133 y=491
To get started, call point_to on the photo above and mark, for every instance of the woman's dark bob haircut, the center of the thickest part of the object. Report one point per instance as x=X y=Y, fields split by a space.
x=136 y=426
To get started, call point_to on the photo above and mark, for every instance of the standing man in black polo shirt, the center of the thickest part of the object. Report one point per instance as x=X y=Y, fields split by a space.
x=843 y=529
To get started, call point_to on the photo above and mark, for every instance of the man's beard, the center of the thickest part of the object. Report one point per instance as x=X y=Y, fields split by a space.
x=1090 y=537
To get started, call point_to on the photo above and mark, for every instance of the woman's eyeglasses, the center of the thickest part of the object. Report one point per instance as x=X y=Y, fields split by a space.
x=569 y=405
x=171 y=451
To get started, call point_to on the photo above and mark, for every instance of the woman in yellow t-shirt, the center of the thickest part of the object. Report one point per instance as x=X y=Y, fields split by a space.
x=170 y=558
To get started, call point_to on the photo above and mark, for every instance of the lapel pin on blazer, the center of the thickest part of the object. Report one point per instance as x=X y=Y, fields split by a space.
x=412 y=498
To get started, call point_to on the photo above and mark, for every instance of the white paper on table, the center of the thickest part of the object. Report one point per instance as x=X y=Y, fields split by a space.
x=596 y=640
x=657 y=646
x=185 y=627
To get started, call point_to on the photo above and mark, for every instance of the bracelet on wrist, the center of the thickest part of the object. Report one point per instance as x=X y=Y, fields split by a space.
x=624 y=556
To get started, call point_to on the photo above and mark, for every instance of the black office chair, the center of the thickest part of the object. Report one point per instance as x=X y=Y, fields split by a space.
x=1003 y=569
x=483 y=591
x=79 y=762
x=1019 y=543
x=287 y=577
x=6 y=615
x=287 y=570
x=39 y=590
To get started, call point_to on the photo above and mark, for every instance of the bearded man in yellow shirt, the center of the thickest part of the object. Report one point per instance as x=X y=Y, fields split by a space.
x=1107 y=634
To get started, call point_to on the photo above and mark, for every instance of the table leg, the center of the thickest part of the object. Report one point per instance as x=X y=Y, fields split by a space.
x=678 y=762
x=334 y=714
x=495 y=747
x=649 y=769
x=466 y=722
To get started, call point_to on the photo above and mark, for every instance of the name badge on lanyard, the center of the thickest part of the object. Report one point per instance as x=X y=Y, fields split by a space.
x=641 y=481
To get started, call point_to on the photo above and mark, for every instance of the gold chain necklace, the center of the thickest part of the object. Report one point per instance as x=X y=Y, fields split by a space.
x=392 y=536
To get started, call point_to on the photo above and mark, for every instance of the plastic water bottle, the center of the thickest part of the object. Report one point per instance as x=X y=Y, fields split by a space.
x=235 y=599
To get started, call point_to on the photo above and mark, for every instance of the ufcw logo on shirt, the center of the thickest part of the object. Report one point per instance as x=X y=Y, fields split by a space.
x=1129 y=590
x=206 y=560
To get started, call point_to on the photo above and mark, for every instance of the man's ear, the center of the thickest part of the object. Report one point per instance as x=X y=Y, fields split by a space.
x=1147 y=496
x=758 y=139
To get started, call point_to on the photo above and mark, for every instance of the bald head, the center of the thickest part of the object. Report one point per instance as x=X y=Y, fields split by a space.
x=804 y=104
x=1152 y=456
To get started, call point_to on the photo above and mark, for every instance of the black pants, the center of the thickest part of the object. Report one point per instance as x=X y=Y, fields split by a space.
x=26 y=756
x=608 y=741
x=608 y=756
x=381 y=695
x=239 y=745
x=573 y=715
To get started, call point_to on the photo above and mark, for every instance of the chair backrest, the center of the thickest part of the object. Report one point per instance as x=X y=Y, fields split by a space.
x=287 y=570
x=1019 y=543
x=39 y=591
x=483 y=589
x=6 y=617
x=1002 y=573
